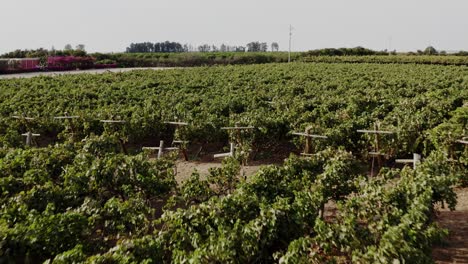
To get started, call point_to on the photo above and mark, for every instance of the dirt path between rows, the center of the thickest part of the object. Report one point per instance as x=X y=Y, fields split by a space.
x=455 y=248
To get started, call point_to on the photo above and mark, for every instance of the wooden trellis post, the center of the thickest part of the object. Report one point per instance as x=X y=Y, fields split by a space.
x=161 y=149
x=308 y=152
x=180 y=143
x=238 y=130
x=113 y=121
x=69 y=119
x=29 y=137
x=415 y=161
x=237 y=140
x=376 y=151
x=228 y=154
x=23 y=118
x=308 y=138
x=117 y=122
x=463 y=141
x=450 y=153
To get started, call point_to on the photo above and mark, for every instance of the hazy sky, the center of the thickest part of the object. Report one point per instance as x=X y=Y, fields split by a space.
x=110 y=25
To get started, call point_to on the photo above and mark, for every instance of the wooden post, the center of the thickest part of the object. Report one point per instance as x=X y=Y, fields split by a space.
x=23 y=118
x=377 y=145
x=415 y=161
x=229 y=154
x=29 y=137
x=463 y=141
x=308 y=143
x=376 y=150
x=70 y=123
x=181 y=143
x=161 y=149
x=308 y=138
x=237 y=140
x=177 y=123
x=238 y=128
x=113 y=121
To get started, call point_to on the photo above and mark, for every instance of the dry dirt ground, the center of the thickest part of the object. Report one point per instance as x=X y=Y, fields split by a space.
x=455 y=247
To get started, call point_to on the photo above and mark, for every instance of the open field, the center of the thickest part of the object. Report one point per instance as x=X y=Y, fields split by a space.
x=84 y=191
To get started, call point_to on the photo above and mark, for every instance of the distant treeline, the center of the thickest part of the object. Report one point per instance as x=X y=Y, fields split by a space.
x=173 y=54
x=191 y=59
x=172 y=47
x=458 y=60
x=160 y=47
x=360 y=51
x=43 y=53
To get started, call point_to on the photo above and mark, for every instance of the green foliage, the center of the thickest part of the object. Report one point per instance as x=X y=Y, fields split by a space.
x=385 y=221
x=336 y=99
x=358 y=51
x=195 y=190
x=226 y=178
x=70 y=201
x=85 y=200
x=191 y=59
x=409 y=58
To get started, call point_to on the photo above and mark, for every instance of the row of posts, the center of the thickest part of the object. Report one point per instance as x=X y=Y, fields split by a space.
x=375 y=153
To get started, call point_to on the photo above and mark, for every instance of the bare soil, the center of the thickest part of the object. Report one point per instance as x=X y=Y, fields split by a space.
x=455 y=247
x=201 y=159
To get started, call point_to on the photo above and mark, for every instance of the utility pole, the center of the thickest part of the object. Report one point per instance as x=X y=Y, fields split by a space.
x=290 y=36
x=390 y=44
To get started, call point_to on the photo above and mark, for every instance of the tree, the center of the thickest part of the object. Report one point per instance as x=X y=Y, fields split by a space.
x=147 y=47
x=253 y=46
x=257 y=46
x=223 y=48
x=239 y=49
x=68 y=47
x=80 y=47
x=204 y=48
x=274 y=46
x=157 y=47
x=430 y=51
x=79 y=53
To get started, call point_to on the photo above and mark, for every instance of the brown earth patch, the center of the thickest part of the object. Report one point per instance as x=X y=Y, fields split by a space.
x=455 y=247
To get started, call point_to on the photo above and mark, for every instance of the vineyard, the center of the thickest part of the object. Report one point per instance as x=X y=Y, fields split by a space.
x=83 y=190
x=392 y=59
